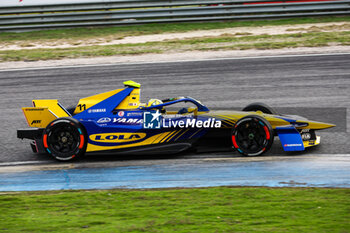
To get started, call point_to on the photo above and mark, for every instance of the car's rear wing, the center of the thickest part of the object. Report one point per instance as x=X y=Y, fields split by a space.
x=43 y=112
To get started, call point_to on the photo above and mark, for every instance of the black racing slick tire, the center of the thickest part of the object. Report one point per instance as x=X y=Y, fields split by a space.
x=65 y=139
x=252 y=135
x=259 y=107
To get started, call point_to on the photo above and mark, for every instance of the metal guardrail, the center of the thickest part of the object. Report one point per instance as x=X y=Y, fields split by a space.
x=160 y=11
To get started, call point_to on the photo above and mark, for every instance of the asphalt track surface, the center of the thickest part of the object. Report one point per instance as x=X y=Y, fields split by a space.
x=314 y=86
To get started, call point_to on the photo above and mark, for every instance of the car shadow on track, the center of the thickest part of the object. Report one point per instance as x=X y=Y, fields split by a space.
x=276 y=150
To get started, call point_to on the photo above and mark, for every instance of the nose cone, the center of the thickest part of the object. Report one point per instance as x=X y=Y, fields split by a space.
x=319 y=125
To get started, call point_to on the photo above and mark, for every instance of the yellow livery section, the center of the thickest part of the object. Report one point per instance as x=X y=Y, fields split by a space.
x=315 y=125
x=43 y=112
x=132 y=101
x=55 y=108
x=38 y=117
x=230 y=119
x=310 y=143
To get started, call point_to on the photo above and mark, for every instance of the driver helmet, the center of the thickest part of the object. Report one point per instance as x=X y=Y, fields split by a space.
x=153 y=102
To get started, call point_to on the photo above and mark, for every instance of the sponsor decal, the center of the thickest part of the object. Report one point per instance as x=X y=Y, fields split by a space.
x=152 y=120
x=128 y=120
x=134 y=114
x=192 y=123
x=306 y=136
x=177 y=115
x=35 y=122
x=289 y=145
x=34 y=109
x=104 y=120
x=121 y=113
x=97 y=110
x=117 y=137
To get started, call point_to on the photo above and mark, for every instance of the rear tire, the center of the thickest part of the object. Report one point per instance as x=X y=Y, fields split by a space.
x=252 y=136
x=259 y=107
x=65 y=139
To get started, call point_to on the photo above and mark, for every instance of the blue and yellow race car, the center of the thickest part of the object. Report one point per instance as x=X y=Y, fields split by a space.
x=116 y=122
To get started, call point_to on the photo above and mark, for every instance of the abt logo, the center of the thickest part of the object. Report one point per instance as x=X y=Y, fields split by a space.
x=35 y=122
x=152 y=120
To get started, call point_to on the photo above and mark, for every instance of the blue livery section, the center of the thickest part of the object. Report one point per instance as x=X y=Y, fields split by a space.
x=290 y=138
x=108 y=127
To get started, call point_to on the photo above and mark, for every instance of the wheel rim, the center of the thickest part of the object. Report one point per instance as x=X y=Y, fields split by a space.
x=63 y=139
x=251 y=136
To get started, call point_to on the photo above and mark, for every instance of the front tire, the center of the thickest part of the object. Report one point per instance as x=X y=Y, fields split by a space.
x=64 y=138
x=252 y=136
x=259 y=107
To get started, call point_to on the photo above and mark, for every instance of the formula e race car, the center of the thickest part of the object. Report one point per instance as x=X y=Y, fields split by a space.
x=116 y=122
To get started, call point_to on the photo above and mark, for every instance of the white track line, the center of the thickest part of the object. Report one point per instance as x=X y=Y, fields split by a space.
x=25 y=163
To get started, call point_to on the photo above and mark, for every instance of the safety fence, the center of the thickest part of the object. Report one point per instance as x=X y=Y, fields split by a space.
x=160 y=11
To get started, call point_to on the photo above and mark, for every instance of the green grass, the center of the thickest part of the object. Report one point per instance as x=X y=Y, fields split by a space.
x=224 y=42
x=314 y=37
x=134 y=30
x=221 y=209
